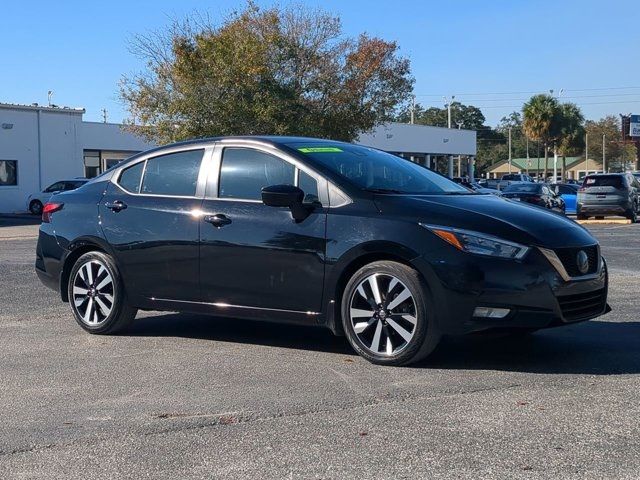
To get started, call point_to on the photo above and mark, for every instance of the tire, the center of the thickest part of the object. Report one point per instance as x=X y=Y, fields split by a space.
x=402 y=324
x=35 y=207
x=97 y=295
x=581 y=216
x=633 y=214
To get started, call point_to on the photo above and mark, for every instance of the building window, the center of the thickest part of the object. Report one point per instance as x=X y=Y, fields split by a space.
x=8 y=173
x=91 y=163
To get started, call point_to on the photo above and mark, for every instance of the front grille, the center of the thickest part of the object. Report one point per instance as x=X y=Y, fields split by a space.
x=569 y=259
x=582 y=305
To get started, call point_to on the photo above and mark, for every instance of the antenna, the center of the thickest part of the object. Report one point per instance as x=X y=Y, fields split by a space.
x=104 y=115
x=49 y=95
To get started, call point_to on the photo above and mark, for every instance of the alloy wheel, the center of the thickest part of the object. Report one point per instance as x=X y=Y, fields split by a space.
x=383 y=314
x=93 y=293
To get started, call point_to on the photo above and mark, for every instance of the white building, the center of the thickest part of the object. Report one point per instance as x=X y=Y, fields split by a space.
x=41 y=145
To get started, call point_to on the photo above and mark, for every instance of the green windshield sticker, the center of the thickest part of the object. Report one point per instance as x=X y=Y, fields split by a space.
x=320 y=150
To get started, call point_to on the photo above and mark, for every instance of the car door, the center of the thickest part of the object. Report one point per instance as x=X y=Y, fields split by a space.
x=149 y=215
x=256 y=257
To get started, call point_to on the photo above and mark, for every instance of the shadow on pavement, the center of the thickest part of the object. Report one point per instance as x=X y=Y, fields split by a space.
x=240 y=331
x=591 y=348
x=14 y=220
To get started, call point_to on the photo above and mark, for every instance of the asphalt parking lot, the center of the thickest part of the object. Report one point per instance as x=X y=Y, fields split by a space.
x=185 y=396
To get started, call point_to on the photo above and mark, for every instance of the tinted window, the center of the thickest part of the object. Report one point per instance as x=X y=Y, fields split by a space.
x=56 y=187
x=567 y=189
x=173 y=174
x=375 y=170
x=309 y=186
x=130 y=177
x=245 y=171
x=73 y=185
x=523 y=187
x=604 y=181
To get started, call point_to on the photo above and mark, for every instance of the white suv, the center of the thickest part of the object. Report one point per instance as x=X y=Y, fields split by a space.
x=36 y=201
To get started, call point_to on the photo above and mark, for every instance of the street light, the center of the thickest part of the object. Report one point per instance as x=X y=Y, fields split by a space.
x=447 y=103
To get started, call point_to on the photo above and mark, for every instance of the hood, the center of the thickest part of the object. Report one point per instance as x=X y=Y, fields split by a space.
x=514 y=221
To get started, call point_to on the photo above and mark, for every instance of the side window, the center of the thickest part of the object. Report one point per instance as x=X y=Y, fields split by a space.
x=56 y=187
x=173 y=174
x=309 y=186
x=245 y=171
x=130 y=177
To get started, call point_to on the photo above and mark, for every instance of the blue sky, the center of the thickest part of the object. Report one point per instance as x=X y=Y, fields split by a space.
x=480 y=51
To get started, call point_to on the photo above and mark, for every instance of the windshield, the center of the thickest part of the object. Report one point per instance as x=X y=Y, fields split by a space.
x=522 y=187
x=378 y=171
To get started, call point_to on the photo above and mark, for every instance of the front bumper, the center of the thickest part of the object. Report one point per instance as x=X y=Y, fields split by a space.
x=535 y=293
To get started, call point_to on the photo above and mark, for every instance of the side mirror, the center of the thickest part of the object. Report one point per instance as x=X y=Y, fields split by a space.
x=286 y=196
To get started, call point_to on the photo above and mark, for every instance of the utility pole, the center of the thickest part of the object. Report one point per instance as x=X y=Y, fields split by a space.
x=413 y=108
x=586 y=152
x=555 y=163
x=604 y=157
x=104 y=115
x=510 y=150
x=528 y=160
x=49 y=95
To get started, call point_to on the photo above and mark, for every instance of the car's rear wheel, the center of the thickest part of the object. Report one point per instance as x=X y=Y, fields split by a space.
x=387 y=315
x=35 y=207
x=581 y=216
x=97 y=295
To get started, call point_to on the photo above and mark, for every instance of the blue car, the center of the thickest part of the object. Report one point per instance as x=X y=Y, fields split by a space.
x=569 y=193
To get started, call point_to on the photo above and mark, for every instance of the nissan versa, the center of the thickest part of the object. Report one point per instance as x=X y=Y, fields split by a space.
x=314 y=232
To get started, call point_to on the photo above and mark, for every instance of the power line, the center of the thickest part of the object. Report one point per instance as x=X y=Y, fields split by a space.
x=439 y=95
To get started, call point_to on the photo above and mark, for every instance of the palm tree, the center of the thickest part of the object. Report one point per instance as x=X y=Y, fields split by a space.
x=571 y=131
x=541 y=122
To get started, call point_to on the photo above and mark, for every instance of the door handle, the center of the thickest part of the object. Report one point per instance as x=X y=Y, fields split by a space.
x=218 y=220
x=116 y=206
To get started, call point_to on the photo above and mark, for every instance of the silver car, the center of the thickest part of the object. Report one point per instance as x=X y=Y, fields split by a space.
x=36 y=201
x=609 y=194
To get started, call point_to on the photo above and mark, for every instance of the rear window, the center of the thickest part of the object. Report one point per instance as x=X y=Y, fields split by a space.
x=604 y=181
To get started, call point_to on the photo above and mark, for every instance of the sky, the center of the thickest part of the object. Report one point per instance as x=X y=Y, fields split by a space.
x=492 y=54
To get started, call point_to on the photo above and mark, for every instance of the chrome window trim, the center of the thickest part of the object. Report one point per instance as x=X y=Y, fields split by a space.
x=555 y=261
x=207 y=149
x=213 y=183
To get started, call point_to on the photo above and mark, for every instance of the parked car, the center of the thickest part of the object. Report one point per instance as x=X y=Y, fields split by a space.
x=569 y=193
x=539 y=194
x=609 y=194
x=36 y=201
x=516 y=177
x=475 y=186
x=315 y=232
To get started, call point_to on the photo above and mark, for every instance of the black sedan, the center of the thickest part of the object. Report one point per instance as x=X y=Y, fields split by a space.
x=313 y=232
x=539 y=194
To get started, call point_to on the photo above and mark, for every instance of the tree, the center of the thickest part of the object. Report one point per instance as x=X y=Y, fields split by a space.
x=571 y=137
x=282 y=71
x=465 y=116
x=542 y=122
x=617 y=152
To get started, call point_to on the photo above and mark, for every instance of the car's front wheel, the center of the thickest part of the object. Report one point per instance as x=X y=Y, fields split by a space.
x=97 y=295
x=386 y=314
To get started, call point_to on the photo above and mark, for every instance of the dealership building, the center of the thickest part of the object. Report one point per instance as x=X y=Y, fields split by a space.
x=40 y=145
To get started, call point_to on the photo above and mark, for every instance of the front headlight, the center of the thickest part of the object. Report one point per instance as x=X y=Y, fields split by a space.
x=478 y=243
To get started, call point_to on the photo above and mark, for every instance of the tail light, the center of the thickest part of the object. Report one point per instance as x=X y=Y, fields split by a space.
x=533 y=199
x=582 y=189
x=49 y=209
